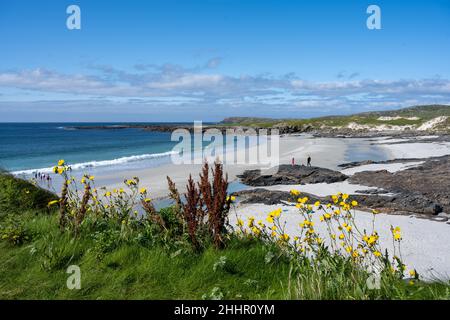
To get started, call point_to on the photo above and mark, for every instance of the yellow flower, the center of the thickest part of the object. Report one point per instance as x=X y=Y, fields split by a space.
x=377 y=253
x=345 y=196
x=269 y=218
x=60 y=170
x=240 y=223
x=375 y=211
x=354 y=203
x=233 y=198
x=327 y=216
x=337 y=212
x=256 y=231
x=285 y=237
x=317 y=203
x=61 y=162
x=52 y=202
x=108 y=194
x=341 y=236
x=412 y=273
x=143 y=190
x=396 y=232
x=348 y=249
x=91 y=178
x=147 y=200
x=295 y=192
x=83 y=180
x=277 y=212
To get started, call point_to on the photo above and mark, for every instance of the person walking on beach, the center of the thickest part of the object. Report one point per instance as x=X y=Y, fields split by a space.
x=293 y=161
x=308 y=161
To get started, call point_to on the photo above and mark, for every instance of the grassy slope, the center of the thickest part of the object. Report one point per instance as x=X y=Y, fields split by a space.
x=134 y=270
x=425 y=113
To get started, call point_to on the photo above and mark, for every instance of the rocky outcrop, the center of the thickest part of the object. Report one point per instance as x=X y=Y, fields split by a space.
x=288 y=174
x=397 y=204
x=421 y=190
x=270 y=197
x=426 y=186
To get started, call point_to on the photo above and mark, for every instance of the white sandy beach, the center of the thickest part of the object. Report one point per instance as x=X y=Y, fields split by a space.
x=426 y=244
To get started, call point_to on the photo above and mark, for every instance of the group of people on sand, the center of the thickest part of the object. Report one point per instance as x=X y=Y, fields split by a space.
x=308 y=161
x=43 y=177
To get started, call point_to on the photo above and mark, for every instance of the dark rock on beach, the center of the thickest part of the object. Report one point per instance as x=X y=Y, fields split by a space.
x=289 y=174
x=270 y=197
x=419 y=190
x=401 y=204
x=426 y=186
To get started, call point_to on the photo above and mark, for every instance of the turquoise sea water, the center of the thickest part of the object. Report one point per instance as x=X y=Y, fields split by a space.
x=29 y=147
x=38 y=146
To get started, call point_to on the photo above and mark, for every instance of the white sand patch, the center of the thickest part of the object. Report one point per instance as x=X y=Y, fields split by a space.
x=418 y=149
x=298 y=147
x=391 y=167
x=426 y=137
x=397 y=118
x=386 y=141
x=425 y=245
x=432 y=123
x=321 y=189
x=382 y=127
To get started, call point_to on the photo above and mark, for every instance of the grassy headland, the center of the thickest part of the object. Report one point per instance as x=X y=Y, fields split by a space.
x=170 y=253
x=413 y=116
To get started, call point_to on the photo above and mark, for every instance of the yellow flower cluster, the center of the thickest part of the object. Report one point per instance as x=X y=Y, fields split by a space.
x=60 y=168
x=396 y=233
x=344 y=236
x=274 y=214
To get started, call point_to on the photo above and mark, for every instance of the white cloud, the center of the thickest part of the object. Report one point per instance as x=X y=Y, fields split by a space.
x=200 y=88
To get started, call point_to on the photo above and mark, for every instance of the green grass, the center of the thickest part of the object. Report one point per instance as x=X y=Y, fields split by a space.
x=139 y=266
x=19 y=195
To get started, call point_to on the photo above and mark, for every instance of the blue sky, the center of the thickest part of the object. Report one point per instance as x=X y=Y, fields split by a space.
x=165 y=60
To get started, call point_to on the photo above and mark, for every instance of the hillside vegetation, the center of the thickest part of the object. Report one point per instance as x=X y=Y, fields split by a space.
x=429 y=117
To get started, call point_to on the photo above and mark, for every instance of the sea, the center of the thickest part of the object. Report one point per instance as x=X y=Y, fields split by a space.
x=29 y=147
